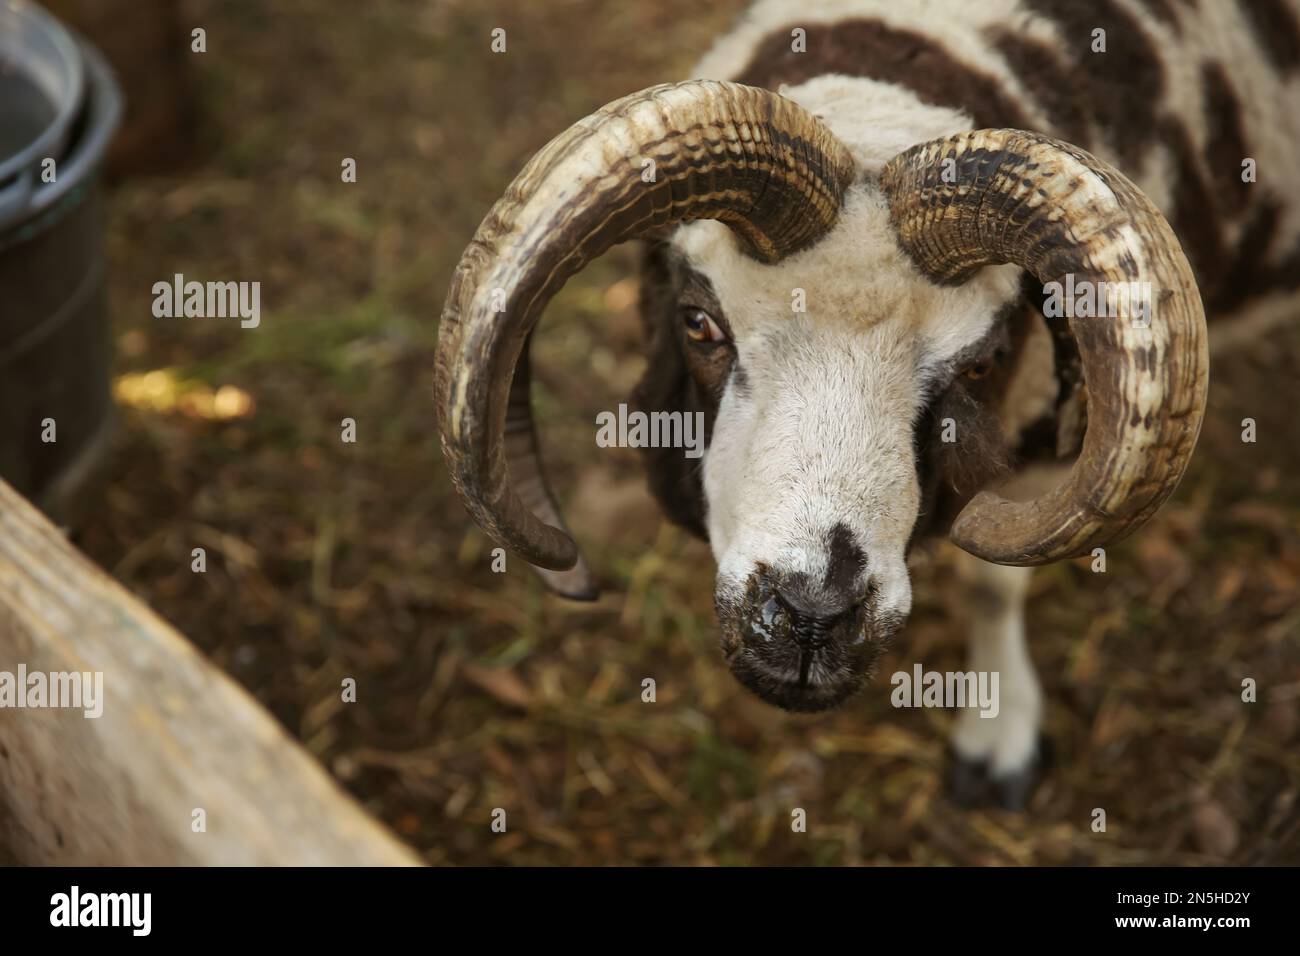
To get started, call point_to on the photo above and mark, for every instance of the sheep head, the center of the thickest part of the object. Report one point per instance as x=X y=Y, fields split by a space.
x=813 y=483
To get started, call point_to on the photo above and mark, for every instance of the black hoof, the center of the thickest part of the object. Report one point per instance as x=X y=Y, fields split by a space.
x=971 y=784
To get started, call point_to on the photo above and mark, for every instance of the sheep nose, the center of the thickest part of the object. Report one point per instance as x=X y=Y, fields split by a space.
x=813 y=618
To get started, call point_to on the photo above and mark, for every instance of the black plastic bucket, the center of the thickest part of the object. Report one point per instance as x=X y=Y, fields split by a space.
x=58 y=101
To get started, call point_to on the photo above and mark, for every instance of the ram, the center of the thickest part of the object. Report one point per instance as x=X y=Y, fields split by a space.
x=925 y=268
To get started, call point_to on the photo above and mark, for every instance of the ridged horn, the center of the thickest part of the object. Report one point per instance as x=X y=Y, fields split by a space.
x=698 y=150
x=994 y=196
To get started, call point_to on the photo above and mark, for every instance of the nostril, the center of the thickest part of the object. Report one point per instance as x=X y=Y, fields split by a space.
x=814 y=633
x=811 y=623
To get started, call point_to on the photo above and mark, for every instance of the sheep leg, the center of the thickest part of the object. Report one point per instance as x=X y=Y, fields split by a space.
x=997 y=758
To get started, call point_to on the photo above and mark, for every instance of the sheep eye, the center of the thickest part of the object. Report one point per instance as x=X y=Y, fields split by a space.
x=978 y=371
x=700 y=325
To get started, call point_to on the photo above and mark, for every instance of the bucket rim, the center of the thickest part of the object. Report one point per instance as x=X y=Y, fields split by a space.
x=72 y=61
x=102 y=105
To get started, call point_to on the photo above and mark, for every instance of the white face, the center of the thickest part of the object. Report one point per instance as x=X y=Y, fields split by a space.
x=810 y=477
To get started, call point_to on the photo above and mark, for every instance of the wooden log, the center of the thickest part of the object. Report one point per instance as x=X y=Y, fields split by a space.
x=176 y=735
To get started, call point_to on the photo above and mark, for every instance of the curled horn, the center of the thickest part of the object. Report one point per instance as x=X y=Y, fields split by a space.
x=993 y=196
x=698 y=150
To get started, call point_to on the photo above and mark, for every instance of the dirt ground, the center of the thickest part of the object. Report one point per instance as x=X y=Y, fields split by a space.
x=478 y=690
